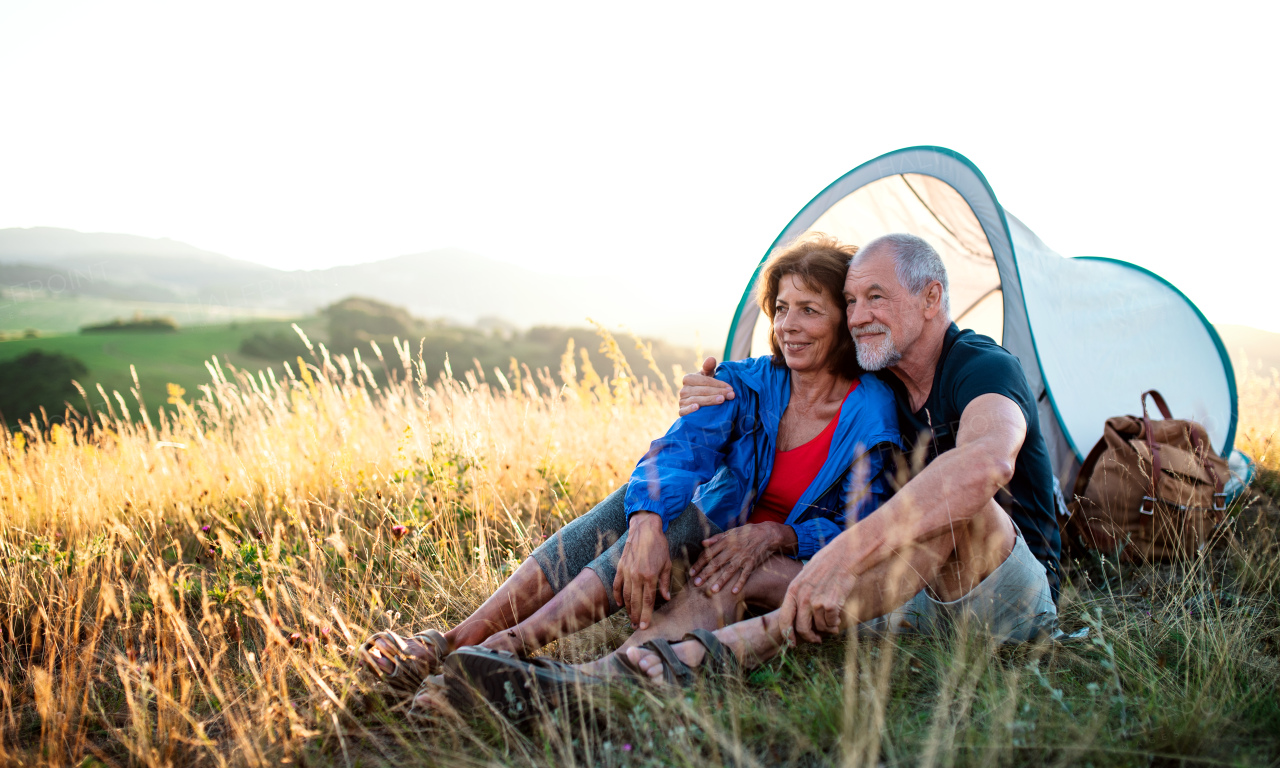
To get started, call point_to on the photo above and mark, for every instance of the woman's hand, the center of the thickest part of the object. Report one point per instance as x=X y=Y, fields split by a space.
x=730 y=557
x=644 y=570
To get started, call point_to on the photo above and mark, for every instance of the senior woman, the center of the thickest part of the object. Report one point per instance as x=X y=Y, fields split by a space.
x=746 y=492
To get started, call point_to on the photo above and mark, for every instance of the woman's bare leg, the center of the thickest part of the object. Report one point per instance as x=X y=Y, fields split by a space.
x=585 y=600
x=582 y=602
x=520 y=596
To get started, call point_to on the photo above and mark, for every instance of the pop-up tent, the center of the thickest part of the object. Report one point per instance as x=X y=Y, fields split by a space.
x=1092 y=333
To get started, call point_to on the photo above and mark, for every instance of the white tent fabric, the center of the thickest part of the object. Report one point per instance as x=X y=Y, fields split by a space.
x=1092 y=334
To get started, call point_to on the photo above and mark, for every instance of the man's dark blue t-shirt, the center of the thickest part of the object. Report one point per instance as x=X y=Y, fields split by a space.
x=970 y=366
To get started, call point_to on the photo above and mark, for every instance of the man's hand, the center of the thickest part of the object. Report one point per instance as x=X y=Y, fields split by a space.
x=730 y=557
x=815 y=601
x=702 y=388
x=644 y=569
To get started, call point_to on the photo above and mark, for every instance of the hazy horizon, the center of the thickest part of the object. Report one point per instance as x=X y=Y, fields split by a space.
x=661 y=150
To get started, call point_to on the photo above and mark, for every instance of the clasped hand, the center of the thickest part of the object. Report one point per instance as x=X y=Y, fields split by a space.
x=730 y=557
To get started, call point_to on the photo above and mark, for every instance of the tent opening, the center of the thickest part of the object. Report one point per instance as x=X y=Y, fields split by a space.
x=930 y=208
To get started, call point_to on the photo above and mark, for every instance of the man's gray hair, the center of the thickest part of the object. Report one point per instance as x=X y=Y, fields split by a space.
x=916 y=263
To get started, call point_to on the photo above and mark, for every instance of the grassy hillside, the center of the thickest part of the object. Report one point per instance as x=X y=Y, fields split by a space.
x=158 y=358
x=41 y=267
x=180 y=357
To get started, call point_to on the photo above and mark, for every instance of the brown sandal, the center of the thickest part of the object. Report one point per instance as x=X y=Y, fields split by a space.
x=407 y=671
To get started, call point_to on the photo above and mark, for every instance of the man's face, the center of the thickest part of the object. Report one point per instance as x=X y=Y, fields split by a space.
x=884 y=318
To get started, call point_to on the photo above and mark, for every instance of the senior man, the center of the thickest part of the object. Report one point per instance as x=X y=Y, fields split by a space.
x=971 y=538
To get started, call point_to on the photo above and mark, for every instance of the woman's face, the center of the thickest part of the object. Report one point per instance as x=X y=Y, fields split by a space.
x=806 y=322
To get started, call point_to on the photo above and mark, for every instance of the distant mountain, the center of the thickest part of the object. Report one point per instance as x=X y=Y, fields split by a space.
x=462 y=286
x=50 y=263
x=52 y=245
x=28 y=282
x=85 y=260
x=449 y=283
x=45 y=262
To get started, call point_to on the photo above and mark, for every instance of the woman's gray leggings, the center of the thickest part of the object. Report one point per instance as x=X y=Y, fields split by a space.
x=596 y=539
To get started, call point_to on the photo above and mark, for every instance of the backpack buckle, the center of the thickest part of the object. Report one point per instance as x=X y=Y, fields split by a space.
x=1148 y=506
x=1219 y=502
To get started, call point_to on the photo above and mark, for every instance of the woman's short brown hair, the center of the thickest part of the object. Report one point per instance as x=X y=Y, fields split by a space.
x=820 y=262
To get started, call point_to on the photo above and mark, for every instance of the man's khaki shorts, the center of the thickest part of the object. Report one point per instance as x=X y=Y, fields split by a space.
x=1012 y=605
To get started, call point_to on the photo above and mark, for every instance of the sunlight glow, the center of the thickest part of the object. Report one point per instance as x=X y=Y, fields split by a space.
x=658 y=151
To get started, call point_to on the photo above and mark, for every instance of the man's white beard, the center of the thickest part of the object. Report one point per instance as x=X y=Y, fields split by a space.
x=879 y=356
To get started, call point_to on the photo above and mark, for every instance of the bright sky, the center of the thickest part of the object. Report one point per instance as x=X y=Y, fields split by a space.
x=659 y=146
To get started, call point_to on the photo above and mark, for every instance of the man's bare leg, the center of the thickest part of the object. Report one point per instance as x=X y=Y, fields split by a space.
x=950 y=564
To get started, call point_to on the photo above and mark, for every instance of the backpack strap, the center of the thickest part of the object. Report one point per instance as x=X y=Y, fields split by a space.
x=1149 y=501
x=1076 y=525
x=1159 y=401
x=1086 y=469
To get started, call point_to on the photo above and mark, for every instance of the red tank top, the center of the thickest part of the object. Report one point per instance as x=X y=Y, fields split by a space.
x=793 y=472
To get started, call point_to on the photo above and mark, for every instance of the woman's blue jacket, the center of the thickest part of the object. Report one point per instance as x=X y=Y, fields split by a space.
x=721 y=457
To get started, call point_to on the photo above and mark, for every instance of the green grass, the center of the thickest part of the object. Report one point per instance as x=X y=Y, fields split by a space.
x=179 y=358
x=160 y=358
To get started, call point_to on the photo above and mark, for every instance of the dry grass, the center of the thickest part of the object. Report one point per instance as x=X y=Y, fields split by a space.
x=187 y=589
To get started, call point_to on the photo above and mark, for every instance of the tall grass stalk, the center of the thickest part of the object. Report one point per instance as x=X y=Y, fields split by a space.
x=186 y=587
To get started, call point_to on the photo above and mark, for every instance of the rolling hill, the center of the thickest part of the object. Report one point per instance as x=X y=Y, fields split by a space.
x=44 y=270
x=56 y=280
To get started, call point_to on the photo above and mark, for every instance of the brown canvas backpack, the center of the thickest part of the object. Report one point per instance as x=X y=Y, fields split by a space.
x=1150 y=489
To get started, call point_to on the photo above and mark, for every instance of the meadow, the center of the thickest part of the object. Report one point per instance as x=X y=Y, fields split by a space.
x=124 y=360
x=187 y=588
x=157 y=358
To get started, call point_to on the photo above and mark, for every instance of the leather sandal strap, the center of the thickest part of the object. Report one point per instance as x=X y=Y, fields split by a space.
x=407 y=672
x=398 y=643
x=436 y=640
x=674 y=671
x=620 y=666
x=719 y=659
x=546 y=662
x=367 y=645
